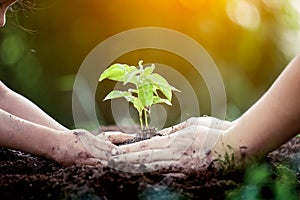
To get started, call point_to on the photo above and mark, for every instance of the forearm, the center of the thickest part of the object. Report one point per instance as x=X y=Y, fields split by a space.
x=20 y=134
x=274 y=119
x=19 y=106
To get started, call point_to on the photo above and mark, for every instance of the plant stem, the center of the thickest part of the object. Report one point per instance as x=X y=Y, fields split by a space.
x=146 y=118
x=141 y=119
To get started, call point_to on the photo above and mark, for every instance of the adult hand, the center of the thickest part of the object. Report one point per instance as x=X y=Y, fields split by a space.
x=81 y=147
x=188 y=148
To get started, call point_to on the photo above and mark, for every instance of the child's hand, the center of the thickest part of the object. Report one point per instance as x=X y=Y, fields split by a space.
x=81 y=147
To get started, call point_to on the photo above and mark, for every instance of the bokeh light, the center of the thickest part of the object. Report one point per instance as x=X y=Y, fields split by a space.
x=244 y=14
x=296 y=5
x=12 y=49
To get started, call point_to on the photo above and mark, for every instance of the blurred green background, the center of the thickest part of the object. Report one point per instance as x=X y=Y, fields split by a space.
x=251 y=42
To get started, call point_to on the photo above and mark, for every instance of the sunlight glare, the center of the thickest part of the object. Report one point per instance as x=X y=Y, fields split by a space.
x=273 y=4
x=244 y=14
x=288 y=41
x=296 y=5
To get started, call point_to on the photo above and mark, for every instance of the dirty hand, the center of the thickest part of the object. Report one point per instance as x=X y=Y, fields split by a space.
x=81 y=147
x=115 y=137
x=188 y=148
x=206 y=121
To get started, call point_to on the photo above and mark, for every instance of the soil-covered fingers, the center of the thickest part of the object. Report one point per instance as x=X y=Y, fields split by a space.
x=79 y=146
x=175 y=165
x=210 y=122
x=187 y=147
x=98 y=148
x=148 y=156
x=91 y=161
x=116 y=137
x=157 y=142
x=162 y=148
x=173 y=129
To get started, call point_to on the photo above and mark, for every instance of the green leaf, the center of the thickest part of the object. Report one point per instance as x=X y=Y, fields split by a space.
x=131 y=75
x=166 y=90
x=155 y=90
x=138 y=105
x=145 y=94
x=132 y=90
x=149 y=70
x=161 y=84
x=130 y=98
x=117 y=94
x=115 y=72
x=175 y=89
x=157 y=99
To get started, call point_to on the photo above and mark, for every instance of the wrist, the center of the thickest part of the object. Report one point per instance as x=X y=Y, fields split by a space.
x=53 y=148
x=230 y=152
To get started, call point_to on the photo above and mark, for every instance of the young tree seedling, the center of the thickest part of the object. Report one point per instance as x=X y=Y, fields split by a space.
x=147 y=86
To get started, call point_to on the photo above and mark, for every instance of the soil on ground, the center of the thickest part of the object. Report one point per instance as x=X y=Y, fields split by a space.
x=25 y=176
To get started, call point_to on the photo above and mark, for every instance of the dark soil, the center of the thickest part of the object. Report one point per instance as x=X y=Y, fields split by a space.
x=24 y=176
x=144 y=134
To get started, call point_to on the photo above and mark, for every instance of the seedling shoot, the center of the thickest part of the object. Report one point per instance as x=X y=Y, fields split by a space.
x=147 y=84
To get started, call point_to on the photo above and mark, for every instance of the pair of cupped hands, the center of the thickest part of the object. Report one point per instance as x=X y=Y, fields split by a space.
x=186 y=143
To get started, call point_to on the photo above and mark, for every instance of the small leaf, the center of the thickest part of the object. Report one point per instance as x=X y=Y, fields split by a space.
x=155 y=90
x=141 y=64
x=161 y=84
x=138 y=105
x=130 y=98
x=132 y=90
x=166 y=90
x=145 y=94
x=115 y=72
x=117 y=94
x=175 y=89
x=149 y=70
x=159 y=100
x=130 y=76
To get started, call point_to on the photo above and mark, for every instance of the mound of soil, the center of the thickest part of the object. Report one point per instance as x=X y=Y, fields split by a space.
x=25 y=176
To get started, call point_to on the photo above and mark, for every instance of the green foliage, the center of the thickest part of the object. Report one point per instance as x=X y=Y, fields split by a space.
x=266 y=182
x=147 y=85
